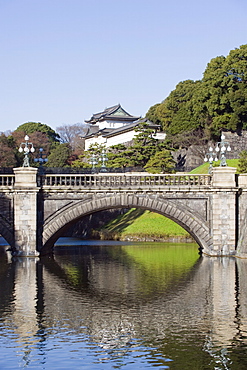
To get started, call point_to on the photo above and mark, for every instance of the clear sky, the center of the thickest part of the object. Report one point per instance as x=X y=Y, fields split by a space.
x=63 y=60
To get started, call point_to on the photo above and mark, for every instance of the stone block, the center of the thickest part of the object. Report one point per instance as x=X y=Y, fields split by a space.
x=224 y=177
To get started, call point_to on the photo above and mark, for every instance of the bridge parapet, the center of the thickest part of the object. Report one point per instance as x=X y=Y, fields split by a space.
x=122 y=180
x=7 y=180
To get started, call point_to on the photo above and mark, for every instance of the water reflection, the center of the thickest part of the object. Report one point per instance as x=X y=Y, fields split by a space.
x=123 y=306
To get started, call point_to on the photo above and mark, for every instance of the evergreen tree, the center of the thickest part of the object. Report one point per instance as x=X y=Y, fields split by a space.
x=161 y=162
x=30 y=127
x=144 y=145
x=242 y=163
x=215 y=103
x=119 y=156
x=59 y=156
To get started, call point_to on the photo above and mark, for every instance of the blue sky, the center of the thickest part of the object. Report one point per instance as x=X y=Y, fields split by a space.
x=63 y=60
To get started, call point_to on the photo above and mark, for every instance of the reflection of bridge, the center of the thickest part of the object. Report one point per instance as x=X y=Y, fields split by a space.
x=35 y=211
x=213 y=293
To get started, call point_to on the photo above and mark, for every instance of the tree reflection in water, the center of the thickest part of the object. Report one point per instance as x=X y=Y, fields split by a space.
x=146 y=305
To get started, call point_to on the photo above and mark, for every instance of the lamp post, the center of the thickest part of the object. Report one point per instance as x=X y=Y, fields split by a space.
x=26 y=147
x=220 y=150
x=210 y=157
x=41 y=159
x=103 y=160
x=93 y=161
x=222 y=147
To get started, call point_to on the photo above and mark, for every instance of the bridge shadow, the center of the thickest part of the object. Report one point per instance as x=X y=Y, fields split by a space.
x=83 y=270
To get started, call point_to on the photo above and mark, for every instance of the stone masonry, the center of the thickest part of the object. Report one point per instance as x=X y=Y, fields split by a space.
x=211 y=209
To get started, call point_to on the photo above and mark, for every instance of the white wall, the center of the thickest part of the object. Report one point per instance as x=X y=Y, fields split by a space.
x=118 y=139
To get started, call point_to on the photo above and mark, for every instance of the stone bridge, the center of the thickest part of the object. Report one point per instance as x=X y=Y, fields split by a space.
x=36 y=210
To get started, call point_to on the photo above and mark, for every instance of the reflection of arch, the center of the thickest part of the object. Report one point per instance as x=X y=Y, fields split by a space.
x=6 y=230
x=91 y=275
x=181 y=214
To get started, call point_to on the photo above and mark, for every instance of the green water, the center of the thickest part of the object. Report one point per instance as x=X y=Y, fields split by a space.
x=112 y=305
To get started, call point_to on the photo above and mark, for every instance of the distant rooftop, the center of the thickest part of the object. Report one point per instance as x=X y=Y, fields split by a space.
x=109 y=132
x=112 y=113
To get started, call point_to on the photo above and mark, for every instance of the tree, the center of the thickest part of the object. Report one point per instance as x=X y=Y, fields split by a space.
x=93 y=157
x=80 y=162
x=161 y=162
x=144 y=145
x=71 y=134
x=37 y=138
x=8 y=153
x=175 y=113
x=30 y=127
x=224 y=92
x=153 y=114
x=59 y=156
x=215 y=103
x=119 y=156
x=242 y=163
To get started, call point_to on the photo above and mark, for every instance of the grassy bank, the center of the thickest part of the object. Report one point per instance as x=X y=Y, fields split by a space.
x=203 y=169
x=138 y=224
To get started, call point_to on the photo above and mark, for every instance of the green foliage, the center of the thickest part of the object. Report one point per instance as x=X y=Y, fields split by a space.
x=59 y=156
x=119 y=156
x=30 y=127
x=161 y=162
x=176 y=112
x=152 y=114
x=144 y=145
x=94 y=154
x=215 y=103
x=242 y=163
x=80 y=162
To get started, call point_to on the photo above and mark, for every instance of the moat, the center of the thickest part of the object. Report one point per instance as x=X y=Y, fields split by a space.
x=114 y=305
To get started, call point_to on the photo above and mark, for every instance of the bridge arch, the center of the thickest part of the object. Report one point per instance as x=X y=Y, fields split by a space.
x=6 y=230
x=194 y=224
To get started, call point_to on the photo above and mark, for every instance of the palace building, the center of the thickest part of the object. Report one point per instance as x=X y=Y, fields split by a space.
x=115 y=126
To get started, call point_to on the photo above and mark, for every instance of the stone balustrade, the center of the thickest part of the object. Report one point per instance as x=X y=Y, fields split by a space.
x=7 y=180
x=123 y=180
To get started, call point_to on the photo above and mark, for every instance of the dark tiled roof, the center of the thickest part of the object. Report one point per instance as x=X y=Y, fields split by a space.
x=107 y=114
x=109 y=132
x=120 y=130
x=102 y=132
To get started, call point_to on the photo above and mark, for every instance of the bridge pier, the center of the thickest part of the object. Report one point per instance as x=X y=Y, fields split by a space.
x=25 y=211
x=223 y=211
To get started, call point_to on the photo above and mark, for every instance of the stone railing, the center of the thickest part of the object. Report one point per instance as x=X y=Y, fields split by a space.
x=130 y=180
x=7 y=180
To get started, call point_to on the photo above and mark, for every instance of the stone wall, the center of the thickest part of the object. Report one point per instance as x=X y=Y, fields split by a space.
x=190 y=158
x=238 y=142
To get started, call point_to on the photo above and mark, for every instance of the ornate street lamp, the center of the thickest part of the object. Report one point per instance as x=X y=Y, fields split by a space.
x=103 y=160
x=210 y=157
x=93 y=161
x=41 y=159
x=26 y=147
x=221 y=148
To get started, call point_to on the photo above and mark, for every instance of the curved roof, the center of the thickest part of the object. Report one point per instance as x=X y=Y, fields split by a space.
x=112 y=113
